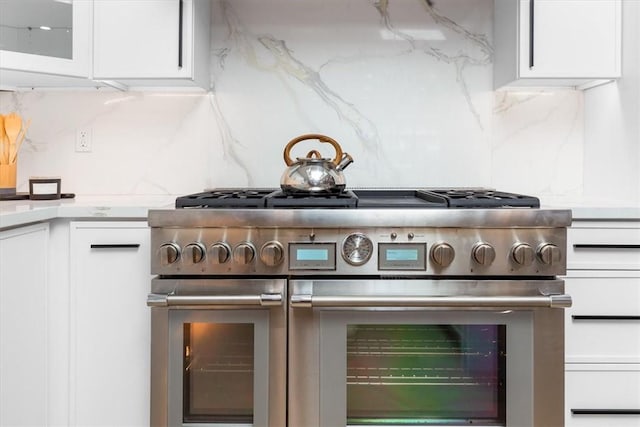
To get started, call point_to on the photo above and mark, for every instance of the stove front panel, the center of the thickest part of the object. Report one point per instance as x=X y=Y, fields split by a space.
x=377 y=251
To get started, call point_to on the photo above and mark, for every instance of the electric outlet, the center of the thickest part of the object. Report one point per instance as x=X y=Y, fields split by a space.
x=83 y=141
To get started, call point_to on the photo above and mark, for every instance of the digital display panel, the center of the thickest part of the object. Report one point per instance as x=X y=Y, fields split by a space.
x=402 y=255
x=312 y=256
x=305 y=254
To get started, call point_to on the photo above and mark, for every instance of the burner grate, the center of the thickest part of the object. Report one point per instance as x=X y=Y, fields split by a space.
x=482 y=199
x=225 y=198
x=271 y=198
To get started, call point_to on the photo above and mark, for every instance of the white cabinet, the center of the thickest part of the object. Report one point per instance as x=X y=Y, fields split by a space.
x=599 y=398
x=110 y=326
x=45 y=43
x=602 y=328
x=549 y=43
x=23 y=326
x=603 y=325
x=152 y=42
x=119 y=43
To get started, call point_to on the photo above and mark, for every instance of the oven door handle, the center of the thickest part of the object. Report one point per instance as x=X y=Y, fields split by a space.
x=548 y=301
x=262 y=300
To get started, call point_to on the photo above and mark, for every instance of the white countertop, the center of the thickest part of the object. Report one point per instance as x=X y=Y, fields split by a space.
x=21 y=212
x=595 y=209
x=598 y=213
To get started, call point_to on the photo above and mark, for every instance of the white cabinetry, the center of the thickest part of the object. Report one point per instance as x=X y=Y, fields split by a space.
x=603 y=398
x=550 y=43
x=152 y=42
x=110 y=327
x=603 y=327
x=57 y=56
x=23 y=326
x=121 y=43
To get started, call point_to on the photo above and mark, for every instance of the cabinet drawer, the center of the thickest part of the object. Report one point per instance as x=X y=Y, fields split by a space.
x=603 y=325
x=602 y=398
x=603 y=248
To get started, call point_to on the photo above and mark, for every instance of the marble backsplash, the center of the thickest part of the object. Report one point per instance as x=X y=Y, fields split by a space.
x=405 y=88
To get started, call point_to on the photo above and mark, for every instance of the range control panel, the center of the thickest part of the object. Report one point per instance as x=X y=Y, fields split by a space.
x=366 y=251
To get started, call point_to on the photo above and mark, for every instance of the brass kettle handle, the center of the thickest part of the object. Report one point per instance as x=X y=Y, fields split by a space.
x=321 y=138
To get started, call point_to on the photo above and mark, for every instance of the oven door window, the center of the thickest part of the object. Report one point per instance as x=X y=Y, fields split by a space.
x=416 y=374
x=417 y=367
x=218 y=372
x=220 y=369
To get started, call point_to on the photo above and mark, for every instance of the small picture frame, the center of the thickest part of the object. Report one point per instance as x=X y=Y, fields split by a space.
x=42 y=188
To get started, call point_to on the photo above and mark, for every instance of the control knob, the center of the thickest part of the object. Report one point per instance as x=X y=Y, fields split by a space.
x=220 y=253
x=522 y=254
x=442 y=254
x=483 y=253
x=169 y=253
x=549 y=254
x=193 y=253
x=244 y=253
x=272 y=253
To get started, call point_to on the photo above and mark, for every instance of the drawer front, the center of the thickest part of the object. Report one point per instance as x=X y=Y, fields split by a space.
x=603 y=325
x=602 y=398
x=603 y=248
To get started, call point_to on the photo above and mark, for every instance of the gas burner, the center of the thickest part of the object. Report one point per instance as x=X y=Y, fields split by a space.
x=241 y=194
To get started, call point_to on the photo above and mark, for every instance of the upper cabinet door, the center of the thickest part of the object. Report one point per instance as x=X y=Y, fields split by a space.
x=570 y=38
x=557 y=42
x=152 y=40
x=138 y=38
x=46 y=36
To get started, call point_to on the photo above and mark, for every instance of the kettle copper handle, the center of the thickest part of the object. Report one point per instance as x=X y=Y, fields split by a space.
x=321 y=138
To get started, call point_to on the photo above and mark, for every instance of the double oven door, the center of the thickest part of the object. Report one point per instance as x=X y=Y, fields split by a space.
x=426 y=352
x=218 y=352
x=325 y=353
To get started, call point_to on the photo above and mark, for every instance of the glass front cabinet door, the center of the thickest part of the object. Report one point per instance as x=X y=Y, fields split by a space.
x=50 y=37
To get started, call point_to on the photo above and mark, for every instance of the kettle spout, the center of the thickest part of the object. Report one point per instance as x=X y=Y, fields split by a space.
x=344 y=162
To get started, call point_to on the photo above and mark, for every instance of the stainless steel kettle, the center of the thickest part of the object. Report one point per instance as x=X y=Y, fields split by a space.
x=314 y=174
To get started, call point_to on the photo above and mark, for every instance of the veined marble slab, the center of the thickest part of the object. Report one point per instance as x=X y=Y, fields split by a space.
x=405 y=87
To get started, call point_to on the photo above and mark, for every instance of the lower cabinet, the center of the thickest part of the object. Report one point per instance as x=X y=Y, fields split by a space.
x=599 y=396
x=602 y=328
x=110 y=324
x=24 y=364
x=603 y=325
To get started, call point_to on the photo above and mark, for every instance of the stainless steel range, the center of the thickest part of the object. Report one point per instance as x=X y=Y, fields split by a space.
x=366 y=307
